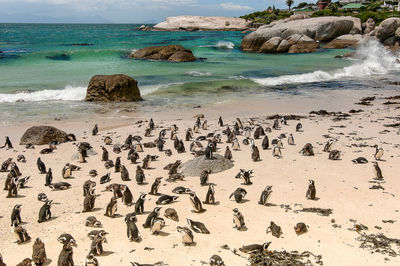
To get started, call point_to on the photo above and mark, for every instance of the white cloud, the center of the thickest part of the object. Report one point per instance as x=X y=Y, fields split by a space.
x=234 y=7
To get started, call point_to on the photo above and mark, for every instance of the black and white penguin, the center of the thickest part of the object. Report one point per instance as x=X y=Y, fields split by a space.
x=95 y=130
x=65 y=257
x=157 y=224
x=132 y=230
x=139 y=204
x=166 y=199
x=42 y=197
x=204 y=175
x=265 y=195
x=290 y=139
x=328 y=145
x=124 y=173
x=299 y=127
x=187 y=235
x=220 y=122
x=127 y=197
x=111 y=208
x=89 y=200
x=198 y=227
x=239 y=195
x=39 y=252
x=311 y=191
x=378 y=152
x=216 y=260
x=377 y=171
x=41 y=166
x=276 y=152
x=105 y=178
x=308 y=150
x=181 y=190
x=255 y=248
x=228 y=154
x=92 y=221
x=275 y=229
x=60 y=186
x=140 y=176
x=13 y=187
x=155 y=186
x=360 y=160
x=334 y=155
x=21 y=233
x=238 y=220
x=196 y=203
x=45 y=212
x=155 y=213
x=210 y=196
x=91 y=260
x=255 y=154
x=16 y=215
x=235 y=145
x=146 y=162
x=49 y=177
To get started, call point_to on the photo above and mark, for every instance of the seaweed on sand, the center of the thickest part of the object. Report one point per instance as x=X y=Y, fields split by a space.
x=379 y=243
x=319 y=211
x=283 y=258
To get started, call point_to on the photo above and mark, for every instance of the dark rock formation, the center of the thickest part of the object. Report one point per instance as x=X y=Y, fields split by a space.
x=41 y=135
x=173 y=53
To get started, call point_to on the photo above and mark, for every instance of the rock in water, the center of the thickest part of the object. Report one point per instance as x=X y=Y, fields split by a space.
x=348 y=40
x=197 y=165
x=41 y=135
x=112 y=88
x=173 y=53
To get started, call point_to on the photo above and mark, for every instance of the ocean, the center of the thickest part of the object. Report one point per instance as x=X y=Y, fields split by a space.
x=45 y=69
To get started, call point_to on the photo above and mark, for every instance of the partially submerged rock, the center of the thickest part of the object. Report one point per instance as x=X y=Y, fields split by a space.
x=41 y=135
x=108 y=88
x=344 y=41
x=197 y=165
x=173 y=53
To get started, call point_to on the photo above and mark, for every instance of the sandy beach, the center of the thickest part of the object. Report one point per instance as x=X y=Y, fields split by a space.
x=341 y=185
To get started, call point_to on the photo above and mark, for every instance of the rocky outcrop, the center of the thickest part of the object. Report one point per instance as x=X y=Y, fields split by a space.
x=386 y=29
x=317 y=29
x=173 y=53
x=202 y=23
x=108 y=88
x=42 y=135
x=195 y=166
x=295 y=43
x=369 y=26
x=344 y=41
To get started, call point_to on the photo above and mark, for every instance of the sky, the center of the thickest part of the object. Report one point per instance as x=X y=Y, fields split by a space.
x=124 y=11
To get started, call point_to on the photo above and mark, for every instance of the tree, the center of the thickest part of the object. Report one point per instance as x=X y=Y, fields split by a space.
x=289 y=3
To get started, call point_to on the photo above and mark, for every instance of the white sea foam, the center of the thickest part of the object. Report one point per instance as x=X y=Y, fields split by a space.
x=371 y=59
x=225 y=45
x=198 y=73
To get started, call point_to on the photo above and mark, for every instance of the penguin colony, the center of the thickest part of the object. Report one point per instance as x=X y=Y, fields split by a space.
x=201 y=142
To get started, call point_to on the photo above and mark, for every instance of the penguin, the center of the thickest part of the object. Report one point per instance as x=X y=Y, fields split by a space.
x=154 y=214
x=210 y=196
x=307 y=150
x=220 y=122
x=166 y=199
x=173 y=135
x=96 y=247
x=140 y=177
x=95 y=130
x=275 y=229
x=187 y=235
x=151 y=124
x=117 y=165
x=127 y=197
x=255 y=155
x=328 y=145
x=23 y=181
x=290 y=140
x=265 y=195
x=138 y=147
x=124 y=174
x=155 y=186
x=216 y=260
x=66 y=171
x=238 y=220
x=360 y=160
x=45 y=212
x=10 y=177
x=299 y=127
x=209 y=152
x=133 y=156
x=60 y=186
x=255 y=248
x=334 y=155
x=311 y=191
x=168 y=152
x=25 y=262
x=265 y=143
x=65 y=258
x=91 y=260
x=48 y=150
x=276 y=152
x=157 y=224
x=258 y=132
x=16 y=215
x=181 y=190
x=171 y=213
x=198 y=227
x=105 y=179
x=93 y=173
x=87 y=186
x=235 y=145
x=239 y=195
x=196 y=203
x=21 y=158
x=160 y=144
x=42 y=197
x=204 y=175
x=275 y=124
x=1 y=261
x=378 y=152
x=89 y=200
x=104 y=155
x=108 y=140
x=8 y=143
x=41 y=166
x=49 y=177
x=180 y=147
x=132 y=230
x=21 y=234
x=139 y=204
x=109 y=164
x=246 y=176
x=111 y=208
x=377 y=171
x=146 y=162
x=5 y=165
x=13 y=188
x=228 y=154
x=39 y=252
x=301 y=228
x=92 y=221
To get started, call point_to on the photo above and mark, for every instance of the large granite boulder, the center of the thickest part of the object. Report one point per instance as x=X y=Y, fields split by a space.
x=319 y=29
x=386 y=29
x=42 y=135
x=195 y=166
x=344 y=41
x=202 y=23
x=109 y=88
x=303 y=45
x=173 y=53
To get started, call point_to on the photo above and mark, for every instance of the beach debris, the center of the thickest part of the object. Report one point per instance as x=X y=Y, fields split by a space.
x=379 y=243
x=319 y=211
x=281 y=258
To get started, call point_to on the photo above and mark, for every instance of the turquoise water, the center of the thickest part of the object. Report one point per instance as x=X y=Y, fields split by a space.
x=49 y=65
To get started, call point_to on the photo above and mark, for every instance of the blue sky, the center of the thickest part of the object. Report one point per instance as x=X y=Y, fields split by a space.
x=123 y=11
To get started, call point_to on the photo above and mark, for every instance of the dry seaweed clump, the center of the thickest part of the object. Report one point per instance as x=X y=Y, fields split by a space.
x=284 y=258
x=319 y=211
x=379 y=244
